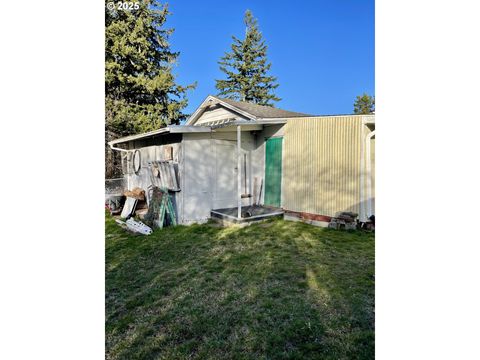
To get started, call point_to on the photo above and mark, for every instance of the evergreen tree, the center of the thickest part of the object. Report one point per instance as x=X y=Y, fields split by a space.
x=246 y=68
x=364 y=104
x=140 y=89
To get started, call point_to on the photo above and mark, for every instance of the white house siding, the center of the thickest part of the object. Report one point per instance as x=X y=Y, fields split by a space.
x=197 y=178
x=148 y=154
x=217 y=113
x=210 y=172
x=154 y=153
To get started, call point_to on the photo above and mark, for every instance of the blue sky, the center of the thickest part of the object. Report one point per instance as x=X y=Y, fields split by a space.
x=322 y=52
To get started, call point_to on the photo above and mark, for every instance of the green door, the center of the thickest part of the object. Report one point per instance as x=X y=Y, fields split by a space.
x=273 y=171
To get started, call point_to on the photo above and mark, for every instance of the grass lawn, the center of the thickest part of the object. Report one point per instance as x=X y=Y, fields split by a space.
x=275 y=290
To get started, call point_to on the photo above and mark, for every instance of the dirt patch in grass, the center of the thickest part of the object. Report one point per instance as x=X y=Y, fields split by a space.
x=288 y=291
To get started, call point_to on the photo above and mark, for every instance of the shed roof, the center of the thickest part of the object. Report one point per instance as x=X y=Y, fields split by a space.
x=174 y=129
x=261 y=111
x=245 y=109
x=254 y=113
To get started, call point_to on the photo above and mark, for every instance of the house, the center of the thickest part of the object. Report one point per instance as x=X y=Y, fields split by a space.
x=232 y=156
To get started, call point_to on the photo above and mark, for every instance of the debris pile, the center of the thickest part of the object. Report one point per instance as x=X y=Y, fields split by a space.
x=369 y=225
x=114 y=203
x=161 y=211
x=136 y=193
x=344 y=220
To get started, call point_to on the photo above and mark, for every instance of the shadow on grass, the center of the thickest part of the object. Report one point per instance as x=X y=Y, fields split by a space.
x=277 y=290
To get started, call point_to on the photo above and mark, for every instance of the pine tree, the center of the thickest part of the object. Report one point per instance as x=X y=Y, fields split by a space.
x=140 y=88
x=141 y=93
x=364 y=104
x=246 y=68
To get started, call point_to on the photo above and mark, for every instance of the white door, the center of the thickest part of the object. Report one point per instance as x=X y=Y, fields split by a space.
x=198 y=178
x=225 y=187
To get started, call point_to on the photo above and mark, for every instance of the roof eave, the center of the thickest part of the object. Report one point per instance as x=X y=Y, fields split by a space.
x=174 y=129
x=139 y=136
x=249 y=123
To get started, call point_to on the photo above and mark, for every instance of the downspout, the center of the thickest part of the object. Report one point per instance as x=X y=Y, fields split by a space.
x=117 y=149
x=121 y=150
x=363 y=217
x=239 y=173
x=368 y=168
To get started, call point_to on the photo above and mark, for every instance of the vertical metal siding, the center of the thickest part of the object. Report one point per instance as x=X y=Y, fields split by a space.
x=322 y=164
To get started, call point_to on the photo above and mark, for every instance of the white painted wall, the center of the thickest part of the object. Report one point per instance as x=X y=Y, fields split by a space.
x=225 y=178
x=142 y=179
x=210 y=172
x=197 y=178
x=147 y=154
x=216 y=113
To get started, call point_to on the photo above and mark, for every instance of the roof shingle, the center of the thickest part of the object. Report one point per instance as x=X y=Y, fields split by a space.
x=262 y=111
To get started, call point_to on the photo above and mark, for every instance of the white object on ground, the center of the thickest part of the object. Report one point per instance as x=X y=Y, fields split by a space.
x=129 y=207
x=138 y=226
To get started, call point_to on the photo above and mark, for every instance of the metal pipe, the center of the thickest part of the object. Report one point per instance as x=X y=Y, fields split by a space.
x=245 y=174
x=122 y=150
x=260 y=192
x=368 y=170
x=239 y=172
x=362 y=211
x=118 y=149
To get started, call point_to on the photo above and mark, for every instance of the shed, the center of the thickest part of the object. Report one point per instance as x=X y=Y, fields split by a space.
x=230 y=156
